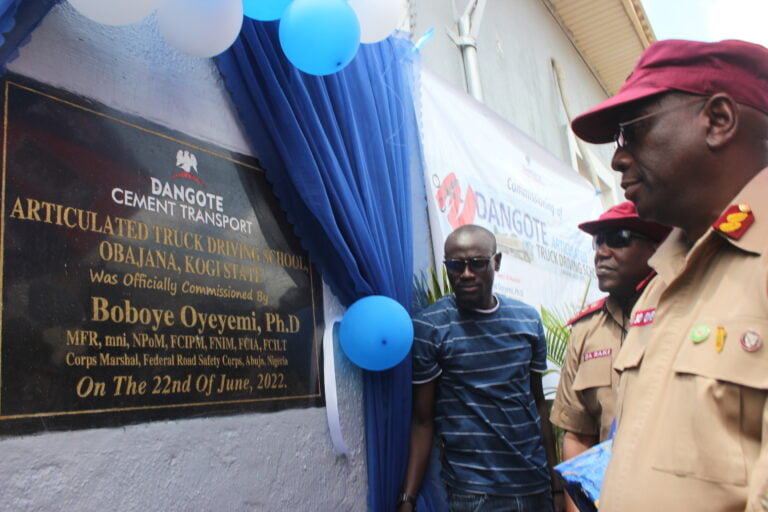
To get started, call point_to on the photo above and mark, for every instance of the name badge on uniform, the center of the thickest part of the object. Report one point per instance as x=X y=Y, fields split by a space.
x=598 y=353
x=644 y=317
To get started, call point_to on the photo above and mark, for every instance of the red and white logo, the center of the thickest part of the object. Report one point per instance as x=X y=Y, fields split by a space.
x=644 y=317
x=459 y=212
x=598 y=353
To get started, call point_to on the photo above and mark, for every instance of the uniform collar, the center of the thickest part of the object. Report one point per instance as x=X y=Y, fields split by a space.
x=670 y=257
x=613 y=308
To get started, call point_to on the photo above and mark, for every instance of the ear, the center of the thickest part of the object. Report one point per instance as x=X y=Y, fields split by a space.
x=721 y=112
x=497 y=261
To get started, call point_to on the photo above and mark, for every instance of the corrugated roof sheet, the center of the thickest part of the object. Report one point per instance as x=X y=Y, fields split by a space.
x=610 y=35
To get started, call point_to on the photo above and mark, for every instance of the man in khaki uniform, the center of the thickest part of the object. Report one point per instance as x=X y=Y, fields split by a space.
x=691 y=127
x=584 y=405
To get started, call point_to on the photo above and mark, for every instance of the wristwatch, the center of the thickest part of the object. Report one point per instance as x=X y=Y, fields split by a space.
x=405 y=498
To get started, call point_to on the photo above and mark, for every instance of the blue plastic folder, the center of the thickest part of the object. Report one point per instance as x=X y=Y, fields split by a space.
x=583 y=475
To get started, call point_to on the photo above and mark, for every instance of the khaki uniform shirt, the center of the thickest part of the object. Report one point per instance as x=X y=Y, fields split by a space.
x=692 y=417
x=585 y=402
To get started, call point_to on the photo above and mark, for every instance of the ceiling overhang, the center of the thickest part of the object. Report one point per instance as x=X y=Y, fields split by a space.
x=610 y=35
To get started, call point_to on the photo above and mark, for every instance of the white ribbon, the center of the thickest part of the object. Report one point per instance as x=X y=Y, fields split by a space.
x=331 y=398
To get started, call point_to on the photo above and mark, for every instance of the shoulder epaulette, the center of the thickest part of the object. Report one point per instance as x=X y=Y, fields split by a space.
x=735 y=220
x=591 y=308
x=642 y=284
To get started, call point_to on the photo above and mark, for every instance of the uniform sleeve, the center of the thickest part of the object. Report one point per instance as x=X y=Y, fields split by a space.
x=568 y=410
x=539 y=359
x=424 y=352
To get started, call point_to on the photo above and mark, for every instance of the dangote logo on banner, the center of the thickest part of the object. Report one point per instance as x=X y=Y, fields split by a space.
x=459 y=212
x=177 y=199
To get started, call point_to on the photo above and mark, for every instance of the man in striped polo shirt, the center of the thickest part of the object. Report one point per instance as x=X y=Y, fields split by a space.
x=477 y=364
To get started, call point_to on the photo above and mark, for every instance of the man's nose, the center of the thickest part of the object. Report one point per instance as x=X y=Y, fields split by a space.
x=621 y=160
x=602 y=252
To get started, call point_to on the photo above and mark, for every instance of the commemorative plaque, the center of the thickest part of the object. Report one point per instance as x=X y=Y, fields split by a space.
x=145 y=274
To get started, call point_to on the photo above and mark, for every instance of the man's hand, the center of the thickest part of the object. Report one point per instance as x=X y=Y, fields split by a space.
x=422 y=430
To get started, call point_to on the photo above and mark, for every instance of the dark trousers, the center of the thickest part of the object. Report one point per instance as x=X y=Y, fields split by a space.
x=466 y=502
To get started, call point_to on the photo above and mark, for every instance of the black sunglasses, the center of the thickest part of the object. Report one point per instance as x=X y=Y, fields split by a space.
x=616 y=239
x=476 y=265
x=625 y=135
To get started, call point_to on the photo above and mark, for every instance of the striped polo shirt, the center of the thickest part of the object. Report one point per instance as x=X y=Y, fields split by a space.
x=485 y=413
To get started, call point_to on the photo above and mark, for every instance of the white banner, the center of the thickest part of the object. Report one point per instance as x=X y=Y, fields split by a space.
x=482 y=170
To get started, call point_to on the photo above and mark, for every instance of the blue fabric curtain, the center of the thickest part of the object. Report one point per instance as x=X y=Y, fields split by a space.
x=338 y=151
x=18 y=18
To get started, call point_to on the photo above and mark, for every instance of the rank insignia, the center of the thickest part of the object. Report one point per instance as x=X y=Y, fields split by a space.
x=591 y=308
x=720 y=339
x=751 y=341
x=700 y=333
x=735 y=221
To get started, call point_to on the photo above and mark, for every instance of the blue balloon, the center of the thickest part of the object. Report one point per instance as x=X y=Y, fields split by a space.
x=264 y=10
x=376 y=333
x=319 y=37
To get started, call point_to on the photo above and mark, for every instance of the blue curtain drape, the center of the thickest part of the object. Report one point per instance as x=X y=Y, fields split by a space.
x=339 y=151
x=18 y=18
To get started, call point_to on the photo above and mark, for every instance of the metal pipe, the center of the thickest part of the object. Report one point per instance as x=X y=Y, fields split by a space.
x=611 y=198
x=468 y=27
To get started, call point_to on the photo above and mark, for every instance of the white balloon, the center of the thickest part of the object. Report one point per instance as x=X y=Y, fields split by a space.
x=378 y=18
x=201 y=28
x=115 y=12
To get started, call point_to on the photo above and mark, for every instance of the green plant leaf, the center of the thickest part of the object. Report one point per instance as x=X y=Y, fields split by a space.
x=555 y=329
x=428 y=287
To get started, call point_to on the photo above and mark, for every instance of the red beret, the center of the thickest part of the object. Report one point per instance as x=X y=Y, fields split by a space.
x=732 y=66
x=624 y=216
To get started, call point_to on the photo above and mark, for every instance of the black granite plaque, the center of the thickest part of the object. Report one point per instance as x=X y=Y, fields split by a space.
x=145 y=274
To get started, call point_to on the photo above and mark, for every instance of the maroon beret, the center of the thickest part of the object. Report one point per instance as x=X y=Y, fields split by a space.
x=624 y=216
x=735 y=67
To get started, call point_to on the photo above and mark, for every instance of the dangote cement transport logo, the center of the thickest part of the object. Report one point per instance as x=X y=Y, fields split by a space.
x=183 y=197
x=188 y=162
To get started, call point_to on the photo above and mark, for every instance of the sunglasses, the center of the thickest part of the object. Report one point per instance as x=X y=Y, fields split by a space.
x=616 y=239
x=476 y=265
x=625 y=135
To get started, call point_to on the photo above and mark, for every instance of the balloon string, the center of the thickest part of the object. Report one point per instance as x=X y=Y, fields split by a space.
x=423 y=40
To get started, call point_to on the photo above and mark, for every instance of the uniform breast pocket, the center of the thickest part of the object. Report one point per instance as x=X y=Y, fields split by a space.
x=710 y=411
x=593 y=373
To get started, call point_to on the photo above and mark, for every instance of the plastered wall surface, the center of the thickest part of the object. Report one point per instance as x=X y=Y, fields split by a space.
x=277 y=461
x=517 y=39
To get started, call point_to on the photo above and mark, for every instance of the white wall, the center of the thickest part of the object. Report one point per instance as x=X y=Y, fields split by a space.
x=276 y=461
x=516 y=42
